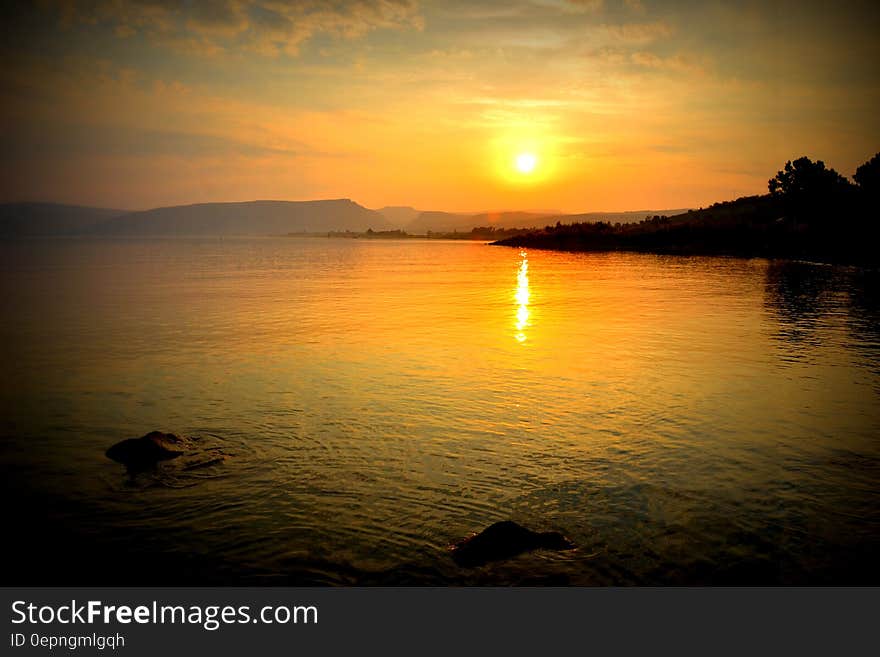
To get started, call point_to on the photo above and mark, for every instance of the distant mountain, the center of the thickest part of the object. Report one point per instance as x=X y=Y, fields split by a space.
x=399 y=215
x=447 y=222
x=247 y=218
x=270 y=218
x=627 y=217
x=444 y=222
x=509 y=219
x=50 y=219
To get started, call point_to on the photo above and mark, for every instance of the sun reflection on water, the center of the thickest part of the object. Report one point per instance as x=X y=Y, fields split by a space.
x=522 y=298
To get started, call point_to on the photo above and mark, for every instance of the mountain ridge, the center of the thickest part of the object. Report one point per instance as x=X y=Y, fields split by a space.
x=263 y=217
x=260 y=217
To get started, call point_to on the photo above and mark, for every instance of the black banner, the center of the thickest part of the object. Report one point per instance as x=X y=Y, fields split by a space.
x=492 y=621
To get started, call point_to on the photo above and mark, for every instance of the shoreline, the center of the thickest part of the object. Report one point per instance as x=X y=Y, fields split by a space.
x=686 y=253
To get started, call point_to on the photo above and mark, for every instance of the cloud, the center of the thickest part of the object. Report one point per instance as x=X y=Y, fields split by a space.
x=270 y=27
x=637 y=33
x=82 y=140
x=679 y=62
x=80 y=107
x=587 y=5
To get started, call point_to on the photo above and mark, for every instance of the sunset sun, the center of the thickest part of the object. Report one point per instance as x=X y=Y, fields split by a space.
x=526 y=162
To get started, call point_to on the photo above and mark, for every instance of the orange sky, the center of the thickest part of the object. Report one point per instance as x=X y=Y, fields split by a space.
x=625 y=104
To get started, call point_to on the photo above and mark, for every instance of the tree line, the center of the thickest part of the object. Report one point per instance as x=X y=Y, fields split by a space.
x=809 y=212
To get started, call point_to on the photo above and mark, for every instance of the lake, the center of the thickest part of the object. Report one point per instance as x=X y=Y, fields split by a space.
x=682 y=420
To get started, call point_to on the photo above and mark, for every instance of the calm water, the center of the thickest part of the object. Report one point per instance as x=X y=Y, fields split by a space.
x=683 y=420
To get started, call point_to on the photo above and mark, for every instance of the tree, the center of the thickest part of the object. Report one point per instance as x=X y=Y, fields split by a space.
x=810 y=192
x=867 y=176
x=803 y=177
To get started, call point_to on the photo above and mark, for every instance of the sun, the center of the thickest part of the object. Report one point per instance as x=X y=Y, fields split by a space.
x=526 y=162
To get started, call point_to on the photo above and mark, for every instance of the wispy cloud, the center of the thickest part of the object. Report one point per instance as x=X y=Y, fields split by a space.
x=677 y=63
x=132 y=142
x=635 y=33
x=270 y=27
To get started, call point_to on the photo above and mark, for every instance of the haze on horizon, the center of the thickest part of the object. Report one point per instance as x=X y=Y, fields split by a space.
x=604 y=105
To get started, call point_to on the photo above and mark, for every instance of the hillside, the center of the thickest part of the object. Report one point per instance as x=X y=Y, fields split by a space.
x=50 y=219
x=432 y=220
x=399 y=215
x=266 y=218
x=447 y=222
x=753 y=226
x=628 y=217
x=247 y=218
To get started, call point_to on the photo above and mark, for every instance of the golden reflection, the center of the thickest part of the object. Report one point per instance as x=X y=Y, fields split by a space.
x=522 y=298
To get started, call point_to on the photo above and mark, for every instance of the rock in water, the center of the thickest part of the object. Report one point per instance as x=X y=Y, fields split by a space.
x=504 y=540
x=144 y=452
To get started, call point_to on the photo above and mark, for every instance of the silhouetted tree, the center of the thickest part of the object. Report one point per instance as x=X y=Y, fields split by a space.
x=803 y=177
x=810 y=191
x=867 y=176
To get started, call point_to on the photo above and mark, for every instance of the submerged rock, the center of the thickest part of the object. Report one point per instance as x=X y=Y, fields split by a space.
x=504 y=540
x=146 y=451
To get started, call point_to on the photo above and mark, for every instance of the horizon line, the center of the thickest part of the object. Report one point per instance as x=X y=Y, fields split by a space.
x=545 y=213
